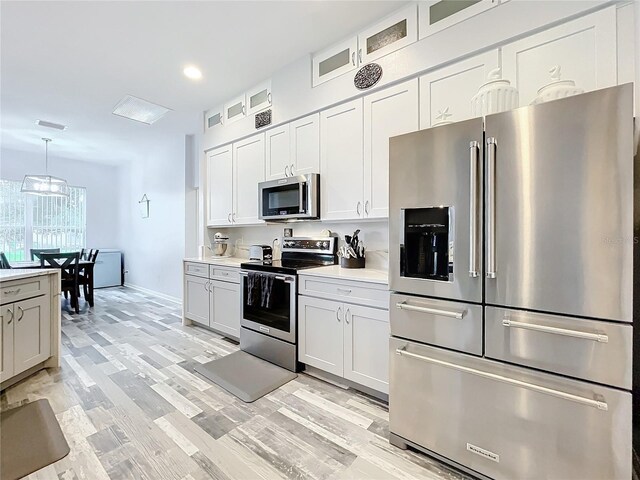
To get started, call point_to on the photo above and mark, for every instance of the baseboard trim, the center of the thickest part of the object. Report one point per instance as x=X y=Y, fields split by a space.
x=153 y=292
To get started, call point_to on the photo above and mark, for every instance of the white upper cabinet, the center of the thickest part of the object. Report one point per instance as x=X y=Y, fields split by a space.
x=584 y=50
x=278 y=155
x=445 y=94
x=392 y=33
x=305 y=145
x=213 y=118
x=387 y=113
x=219 y=186
x=248 y=169
x=341 y=161
x=259 y=98
x=436 y=15
x=334 y=61
x=235 y=109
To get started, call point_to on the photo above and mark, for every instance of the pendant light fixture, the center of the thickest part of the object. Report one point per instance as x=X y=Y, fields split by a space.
x=45 y=185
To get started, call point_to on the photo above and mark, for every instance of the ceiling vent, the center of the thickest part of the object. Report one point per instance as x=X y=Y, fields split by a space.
x=55 y=126
x=140 y=110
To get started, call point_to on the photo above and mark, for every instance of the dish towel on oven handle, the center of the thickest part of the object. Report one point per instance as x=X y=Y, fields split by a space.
x=254 y=289
x=268 y=292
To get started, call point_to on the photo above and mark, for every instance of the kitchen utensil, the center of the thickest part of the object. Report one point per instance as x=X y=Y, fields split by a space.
x=220 y=244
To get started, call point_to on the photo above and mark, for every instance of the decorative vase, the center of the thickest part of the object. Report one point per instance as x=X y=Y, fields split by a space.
x=495 y=96
x=557 y=88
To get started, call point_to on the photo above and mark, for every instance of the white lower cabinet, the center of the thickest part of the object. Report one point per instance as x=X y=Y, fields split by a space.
x=214 y=303
x=344 y=339
x=225 y=307
x=26 y=335
x=196 y=299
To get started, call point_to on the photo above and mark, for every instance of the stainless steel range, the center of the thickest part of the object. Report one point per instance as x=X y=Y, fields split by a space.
x=511 y=246
x=269 y=299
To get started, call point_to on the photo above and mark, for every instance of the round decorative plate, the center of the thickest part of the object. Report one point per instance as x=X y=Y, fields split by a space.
x=367 y=76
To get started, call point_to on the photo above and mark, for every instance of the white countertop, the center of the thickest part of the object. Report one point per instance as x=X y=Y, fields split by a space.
x=221 y=261
x=7 y=275
x=370 y=275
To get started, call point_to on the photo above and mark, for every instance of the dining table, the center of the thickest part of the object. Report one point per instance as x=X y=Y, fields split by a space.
x=83 y=265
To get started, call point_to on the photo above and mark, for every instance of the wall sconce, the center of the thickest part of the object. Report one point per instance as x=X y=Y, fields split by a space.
x=143 y=204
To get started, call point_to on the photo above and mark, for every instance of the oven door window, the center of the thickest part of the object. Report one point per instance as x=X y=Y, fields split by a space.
x=272 y=310
x=284 y=200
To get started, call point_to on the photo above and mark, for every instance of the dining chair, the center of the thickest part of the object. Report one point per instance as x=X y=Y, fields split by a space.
x=4 y=263
x=85 y=278
x=35 y=252
x=68 y=264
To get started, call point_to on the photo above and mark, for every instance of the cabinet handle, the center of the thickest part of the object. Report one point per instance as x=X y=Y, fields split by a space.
x=12 y=292
x=269 y=98
x=233 y=217
x=358 y=208
x=353 y=58
x=338 y=313
x=359 y=55
x=21 y=313
x=512 y=381
x=244 y=109
x=11 y=319
x=346 y=316
x=291 y=169
x=345 y=290
x=229 y=218
x=366 y=207
x=206 y=285
x=286 y=171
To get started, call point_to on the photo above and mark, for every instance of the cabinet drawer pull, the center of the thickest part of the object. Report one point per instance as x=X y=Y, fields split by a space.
x=511 y=381
x=12 y=292
x=433 y=311
x=21 y=313
x=596 y=337
x=344 y=290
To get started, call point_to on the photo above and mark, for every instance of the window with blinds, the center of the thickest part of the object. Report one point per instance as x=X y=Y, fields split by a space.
x=28 y=221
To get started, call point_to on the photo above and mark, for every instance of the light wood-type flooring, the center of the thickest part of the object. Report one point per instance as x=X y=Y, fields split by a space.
x=131 y=406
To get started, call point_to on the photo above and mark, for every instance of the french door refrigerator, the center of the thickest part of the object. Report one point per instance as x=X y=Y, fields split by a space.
x=511 y=247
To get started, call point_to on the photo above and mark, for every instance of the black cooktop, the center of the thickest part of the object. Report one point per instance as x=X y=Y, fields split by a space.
x=290 y=266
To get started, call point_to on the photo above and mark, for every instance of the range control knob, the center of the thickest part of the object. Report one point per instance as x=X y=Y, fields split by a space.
x=325 y=244
x=318 y=244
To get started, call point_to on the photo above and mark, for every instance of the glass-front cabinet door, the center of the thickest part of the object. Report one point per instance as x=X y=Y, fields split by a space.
x=235 y=109
x=392 y=33
x=213 y=118
x=335 y=61
x=436 y=15
x=259 y=97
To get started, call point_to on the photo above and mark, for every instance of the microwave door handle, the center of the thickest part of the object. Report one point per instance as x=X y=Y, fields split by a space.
x=302 y=193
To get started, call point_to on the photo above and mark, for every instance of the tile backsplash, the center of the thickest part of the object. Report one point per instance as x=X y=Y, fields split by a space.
x=374 y=235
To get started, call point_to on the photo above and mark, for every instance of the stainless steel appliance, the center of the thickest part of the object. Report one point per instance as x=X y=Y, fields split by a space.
x=269 y=317
x=262 y=253
x=291 y=198
x=511 y=269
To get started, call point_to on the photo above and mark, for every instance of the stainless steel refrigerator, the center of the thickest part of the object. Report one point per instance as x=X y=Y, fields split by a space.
x=511 y=270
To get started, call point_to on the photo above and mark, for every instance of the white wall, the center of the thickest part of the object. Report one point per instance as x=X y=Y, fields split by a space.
x=101 y=181
x=154 y=247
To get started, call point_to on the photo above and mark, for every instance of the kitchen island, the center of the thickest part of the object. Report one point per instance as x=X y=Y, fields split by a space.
x=30 y=323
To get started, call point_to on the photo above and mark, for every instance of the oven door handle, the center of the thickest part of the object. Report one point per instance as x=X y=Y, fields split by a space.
x=278 y=277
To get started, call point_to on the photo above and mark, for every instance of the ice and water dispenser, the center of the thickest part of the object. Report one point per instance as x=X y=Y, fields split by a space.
x=427 y=250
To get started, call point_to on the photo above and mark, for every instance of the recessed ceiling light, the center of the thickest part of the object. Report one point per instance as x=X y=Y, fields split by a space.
x=140 y=110
x=192 y=72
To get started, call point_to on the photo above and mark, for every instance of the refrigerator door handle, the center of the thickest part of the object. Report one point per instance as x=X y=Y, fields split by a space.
x=432 y=311
x=596 y=337
x=491 y=207
x=473 y=209
x=512 y=381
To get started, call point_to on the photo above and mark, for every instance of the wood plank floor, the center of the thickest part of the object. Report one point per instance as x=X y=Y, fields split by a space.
x=130 y=406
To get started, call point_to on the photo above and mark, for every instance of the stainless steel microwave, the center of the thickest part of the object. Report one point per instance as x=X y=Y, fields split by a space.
x=290 y=198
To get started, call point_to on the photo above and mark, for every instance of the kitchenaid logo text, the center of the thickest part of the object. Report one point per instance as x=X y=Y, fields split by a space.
x=613 y=241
